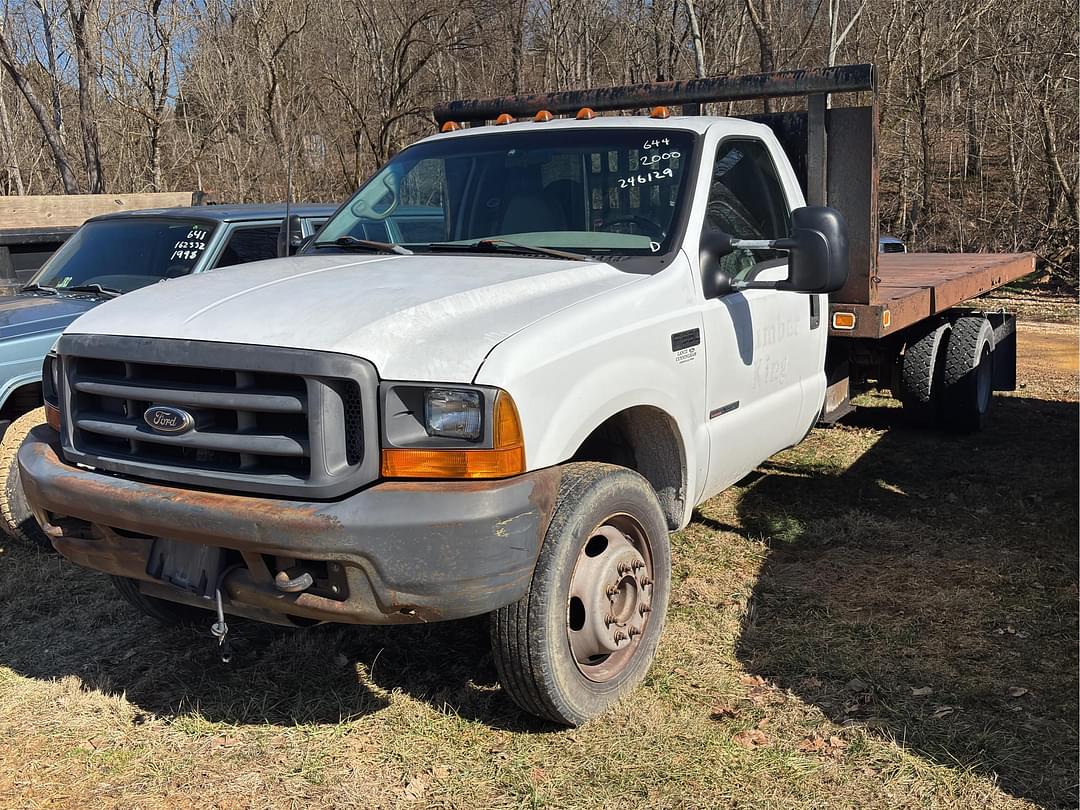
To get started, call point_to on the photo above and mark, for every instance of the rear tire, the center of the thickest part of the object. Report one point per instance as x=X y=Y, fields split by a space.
x=16 y=519
x=585 y=633
x=968 y=375
x=161 y=610
x=919 y=375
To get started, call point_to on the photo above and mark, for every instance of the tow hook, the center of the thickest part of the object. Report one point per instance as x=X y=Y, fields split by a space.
x=283 y=582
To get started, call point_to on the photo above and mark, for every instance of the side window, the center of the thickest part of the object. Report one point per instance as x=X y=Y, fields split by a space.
x=249 y=245
x=746 y=201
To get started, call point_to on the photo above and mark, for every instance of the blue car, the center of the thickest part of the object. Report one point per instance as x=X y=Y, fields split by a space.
x=108 y=256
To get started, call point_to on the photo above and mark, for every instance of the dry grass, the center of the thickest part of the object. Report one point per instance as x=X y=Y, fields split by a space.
x=851 y=627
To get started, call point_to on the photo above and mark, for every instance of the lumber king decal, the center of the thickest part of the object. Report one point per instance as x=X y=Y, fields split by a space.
x=914 y=286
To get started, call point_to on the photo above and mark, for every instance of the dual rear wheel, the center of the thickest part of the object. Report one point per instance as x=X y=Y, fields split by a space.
x=947 y=375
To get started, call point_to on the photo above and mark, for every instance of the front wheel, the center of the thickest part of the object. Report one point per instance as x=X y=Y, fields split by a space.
x=585 y=633
x=18 y=520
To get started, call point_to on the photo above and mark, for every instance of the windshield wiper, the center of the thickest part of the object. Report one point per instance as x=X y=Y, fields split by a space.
x=506 y=246
x=44 y=288
x=364 y=244
x=106 y=292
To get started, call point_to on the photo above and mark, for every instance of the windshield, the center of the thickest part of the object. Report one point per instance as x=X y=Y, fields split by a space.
x=599 y=191
x=125 y=254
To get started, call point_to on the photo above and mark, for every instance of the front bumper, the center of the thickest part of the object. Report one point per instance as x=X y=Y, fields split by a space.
x=404 y=552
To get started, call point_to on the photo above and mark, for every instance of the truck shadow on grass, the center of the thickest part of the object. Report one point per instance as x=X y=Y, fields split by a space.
x=928 y=591
x=322 y=675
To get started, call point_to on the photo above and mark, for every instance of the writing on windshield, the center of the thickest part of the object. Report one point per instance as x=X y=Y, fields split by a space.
x=125 y=254
x=600 y=191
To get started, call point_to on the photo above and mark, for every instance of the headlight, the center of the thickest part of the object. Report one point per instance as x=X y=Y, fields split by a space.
x=434 y=431
x=453 y=413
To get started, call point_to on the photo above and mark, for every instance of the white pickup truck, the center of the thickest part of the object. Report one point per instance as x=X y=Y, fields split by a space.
x=502 y=373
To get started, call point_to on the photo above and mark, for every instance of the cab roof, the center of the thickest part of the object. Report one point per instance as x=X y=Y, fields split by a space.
x=224 y=213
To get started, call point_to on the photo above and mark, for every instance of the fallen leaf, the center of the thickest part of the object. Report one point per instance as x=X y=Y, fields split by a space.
x=418 y=786
x=943 y=711
x=722 y=710
x=856 y=685
x=1017 y=691
x=922 y=691
x=440 y=772
x=751 y=738
x=752 y=680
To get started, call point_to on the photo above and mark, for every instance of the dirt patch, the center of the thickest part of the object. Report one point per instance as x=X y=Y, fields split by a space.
x=1051 y=359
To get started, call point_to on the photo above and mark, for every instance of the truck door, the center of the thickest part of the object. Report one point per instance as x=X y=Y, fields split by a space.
x=759 y=348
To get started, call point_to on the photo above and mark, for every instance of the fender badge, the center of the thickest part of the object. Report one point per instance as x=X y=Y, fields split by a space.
x=164 y=419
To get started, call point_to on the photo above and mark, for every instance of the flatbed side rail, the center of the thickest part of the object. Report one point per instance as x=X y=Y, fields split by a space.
x=837 y=79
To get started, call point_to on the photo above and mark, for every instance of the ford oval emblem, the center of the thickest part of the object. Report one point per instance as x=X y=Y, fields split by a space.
x=164 y=419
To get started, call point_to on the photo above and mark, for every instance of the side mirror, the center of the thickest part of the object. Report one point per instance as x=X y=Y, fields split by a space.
x=715 y=245
x=818 y=248
x=290 y=235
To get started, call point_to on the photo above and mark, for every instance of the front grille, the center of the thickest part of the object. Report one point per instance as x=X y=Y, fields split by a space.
x=892 y=247
x=264 y=419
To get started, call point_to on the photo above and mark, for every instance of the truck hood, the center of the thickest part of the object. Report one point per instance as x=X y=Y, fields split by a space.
x=25 y=314
x=423 y=317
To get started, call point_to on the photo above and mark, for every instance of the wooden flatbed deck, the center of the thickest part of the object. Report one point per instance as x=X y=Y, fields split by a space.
x=913 y=286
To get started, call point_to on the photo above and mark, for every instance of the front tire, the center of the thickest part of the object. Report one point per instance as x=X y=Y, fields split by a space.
x=18 y=521
x=586 y=632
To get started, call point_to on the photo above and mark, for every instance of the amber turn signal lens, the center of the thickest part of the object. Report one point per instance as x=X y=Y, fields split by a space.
x=543 y=117
x=506 y=458
x=52 y=416
x=659 y=112
x=585 y=114
x=843 y=320
x=450 y=126
x=503 y=119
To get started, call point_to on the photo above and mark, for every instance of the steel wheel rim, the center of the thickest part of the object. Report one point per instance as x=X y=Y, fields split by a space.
x=609 y=603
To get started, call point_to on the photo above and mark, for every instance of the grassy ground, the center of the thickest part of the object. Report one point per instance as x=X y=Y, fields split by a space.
x=879 y=617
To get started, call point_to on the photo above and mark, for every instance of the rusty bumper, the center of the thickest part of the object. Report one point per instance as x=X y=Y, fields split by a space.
x=391 y=553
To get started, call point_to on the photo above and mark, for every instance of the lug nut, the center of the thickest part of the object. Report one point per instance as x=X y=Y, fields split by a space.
x=645 y=581
x=644 y=610
x=634 y=631
x=638 y=564
x=609 y=620
x=620 y=636
x=624 y=569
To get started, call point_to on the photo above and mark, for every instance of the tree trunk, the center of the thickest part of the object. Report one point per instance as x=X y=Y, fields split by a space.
x=84 y=32
x=41 y=115
x=695 y=36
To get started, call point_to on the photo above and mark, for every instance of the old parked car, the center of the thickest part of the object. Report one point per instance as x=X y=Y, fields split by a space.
x=106 y=257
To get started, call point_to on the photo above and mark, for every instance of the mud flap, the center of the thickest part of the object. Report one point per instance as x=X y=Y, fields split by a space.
x=1004 y=354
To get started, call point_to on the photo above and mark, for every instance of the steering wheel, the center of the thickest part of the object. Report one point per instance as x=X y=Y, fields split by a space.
x=646 y=226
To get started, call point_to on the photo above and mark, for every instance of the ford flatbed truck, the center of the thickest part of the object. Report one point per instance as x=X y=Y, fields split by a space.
x=504 y=371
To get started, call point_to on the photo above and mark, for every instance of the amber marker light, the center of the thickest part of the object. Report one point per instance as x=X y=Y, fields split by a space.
x=450 y=126
x=505 y=458
x=504 y=119
x=843 y=320
x=659 y=112
x=886 y=319
x=543 y=117
x=585 y=114
x=52 y=416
